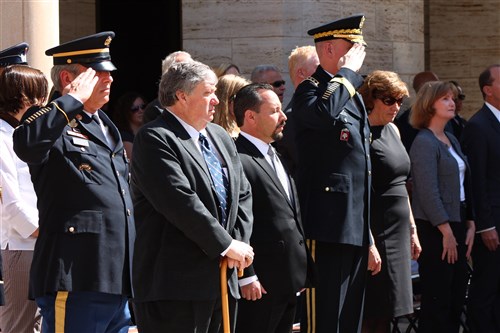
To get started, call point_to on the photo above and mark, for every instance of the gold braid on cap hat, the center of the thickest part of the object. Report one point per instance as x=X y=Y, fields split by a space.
x=354 y=35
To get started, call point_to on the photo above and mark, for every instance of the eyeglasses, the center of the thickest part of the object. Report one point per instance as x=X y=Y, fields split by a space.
x=391 y=100
x=279 y=83
x=136 y=108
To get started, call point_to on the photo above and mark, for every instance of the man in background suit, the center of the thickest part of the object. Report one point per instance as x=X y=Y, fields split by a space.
x=302 y=62
x=481 y=144
x=81 y=270
x=334 y=177
x=280 y=270
x=402 y=121
x=190 y=214
x=154 y=109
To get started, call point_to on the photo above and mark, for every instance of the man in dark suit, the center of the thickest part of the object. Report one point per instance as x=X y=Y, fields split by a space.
x=193 y=207
x=402 y=121
x=81 y=269
x=480 y=141
x=280 y=270
x=302 y=62
x=334 y=177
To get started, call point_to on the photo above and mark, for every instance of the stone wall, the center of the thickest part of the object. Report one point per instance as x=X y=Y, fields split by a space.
x=249 y=33
x=464 y=38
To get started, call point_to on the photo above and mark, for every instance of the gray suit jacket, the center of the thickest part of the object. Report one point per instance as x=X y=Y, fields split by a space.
x=179 y=237
x=436 y=179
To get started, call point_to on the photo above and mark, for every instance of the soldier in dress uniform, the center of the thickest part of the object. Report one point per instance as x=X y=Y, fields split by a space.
x=334 y=177
x=81 y=270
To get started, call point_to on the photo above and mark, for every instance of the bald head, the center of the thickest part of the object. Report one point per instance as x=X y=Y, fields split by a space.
x=423 y=77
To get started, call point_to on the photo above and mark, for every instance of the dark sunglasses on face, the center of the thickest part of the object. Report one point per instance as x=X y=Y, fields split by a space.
x=391 y=100
x=279 y=83
x=136 y=108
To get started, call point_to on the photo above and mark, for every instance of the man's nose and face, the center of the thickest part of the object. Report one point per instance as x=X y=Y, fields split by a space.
x=276 y=80
x=270 y=119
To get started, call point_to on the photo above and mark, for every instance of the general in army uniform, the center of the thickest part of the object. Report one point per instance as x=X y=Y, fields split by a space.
x=333 y=141
x=81 y=270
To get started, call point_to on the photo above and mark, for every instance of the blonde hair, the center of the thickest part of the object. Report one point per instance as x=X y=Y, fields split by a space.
x=227 y=87
x=422 y=109
x=382 y=84
x=298 y=56
x=223 y=68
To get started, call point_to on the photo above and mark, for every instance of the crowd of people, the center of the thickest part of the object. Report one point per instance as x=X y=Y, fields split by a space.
x=236 y=213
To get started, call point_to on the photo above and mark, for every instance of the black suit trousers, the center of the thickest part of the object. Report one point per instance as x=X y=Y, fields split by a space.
x=270 y=314
x=443 y=285
x=336 y=304
x=483 y=309
x=183 y=316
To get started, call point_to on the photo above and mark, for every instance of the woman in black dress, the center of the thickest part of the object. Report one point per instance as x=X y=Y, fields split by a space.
x=389 y=293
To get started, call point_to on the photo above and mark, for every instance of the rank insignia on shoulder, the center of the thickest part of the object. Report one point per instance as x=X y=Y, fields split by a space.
x=85 y=166
x=344 y=134
x=313 y=80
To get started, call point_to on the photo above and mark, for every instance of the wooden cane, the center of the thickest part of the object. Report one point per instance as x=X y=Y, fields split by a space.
x=224 y=296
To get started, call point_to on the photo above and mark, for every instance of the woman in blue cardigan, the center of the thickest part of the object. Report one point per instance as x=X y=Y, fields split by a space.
x=442 y=207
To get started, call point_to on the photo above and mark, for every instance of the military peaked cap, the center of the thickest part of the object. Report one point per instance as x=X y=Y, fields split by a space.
x=14 y=55
x=90 y=51
x=349 y=28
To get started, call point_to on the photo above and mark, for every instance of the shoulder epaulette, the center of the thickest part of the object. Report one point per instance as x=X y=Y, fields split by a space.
x=313 y=80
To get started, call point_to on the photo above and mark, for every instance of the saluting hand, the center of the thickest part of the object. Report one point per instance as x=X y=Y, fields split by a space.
x=354 y=58
x=83 y=85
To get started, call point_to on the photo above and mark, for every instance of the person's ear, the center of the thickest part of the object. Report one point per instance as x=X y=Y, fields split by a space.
x=66 y=78
x=181 y=96
x=249 y=116
x=487 y=90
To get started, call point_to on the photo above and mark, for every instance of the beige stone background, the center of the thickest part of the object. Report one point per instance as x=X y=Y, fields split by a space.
x=456 y=39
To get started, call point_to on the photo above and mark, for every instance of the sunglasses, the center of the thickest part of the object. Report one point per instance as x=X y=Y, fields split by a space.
x=279 y=83
x=136 y=108
x=391 y=100
x=461 y=97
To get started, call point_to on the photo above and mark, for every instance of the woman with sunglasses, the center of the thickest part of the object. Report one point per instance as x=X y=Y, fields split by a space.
x=388 y=293
x=128 y=117
x=442 y=208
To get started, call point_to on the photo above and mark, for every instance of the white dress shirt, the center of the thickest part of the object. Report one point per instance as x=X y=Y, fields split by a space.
x=18 y=212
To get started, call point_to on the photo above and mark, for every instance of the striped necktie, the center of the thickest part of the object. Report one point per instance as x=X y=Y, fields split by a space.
x=219 y=179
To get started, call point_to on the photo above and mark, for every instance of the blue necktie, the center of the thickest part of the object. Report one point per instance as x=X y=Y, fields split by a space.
x=219 y=179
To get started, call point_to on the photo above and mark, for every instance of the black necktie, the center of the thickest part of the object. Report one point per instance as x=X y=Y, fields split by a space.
x=219 y=179
x=96 y=119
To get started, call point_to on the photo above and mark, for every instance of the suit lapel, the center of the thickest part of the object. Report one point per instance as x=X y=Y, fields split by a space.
x=495 y=124
x=92 y=128
x=113 y=131
x=186 y=141
x=264 y=164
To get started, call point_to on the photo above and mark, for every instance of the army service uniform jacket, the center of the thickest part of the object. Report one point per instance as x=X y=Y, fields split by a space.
x=87 y=230
x=333 y=144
